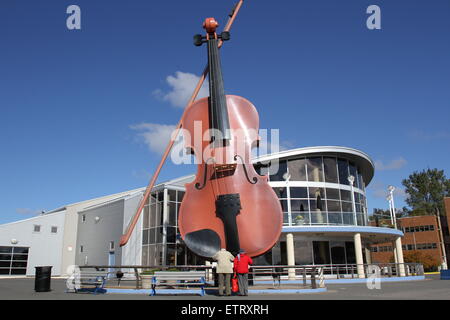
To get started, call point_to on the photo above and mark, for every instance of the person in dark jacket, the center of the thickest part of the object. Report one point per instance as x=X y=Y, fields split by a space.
x=241 y=263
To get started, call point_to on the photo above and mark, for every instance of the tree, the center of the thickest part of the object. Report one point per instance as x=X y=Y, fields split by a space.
x=426 y=191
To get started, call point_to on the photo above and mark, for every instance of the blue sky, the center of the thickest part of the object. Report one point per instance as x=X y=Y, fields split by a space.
x=78 y=105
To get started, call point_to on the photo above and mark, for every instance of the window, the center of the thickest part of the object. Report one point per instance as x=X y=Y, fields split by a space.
x=343 y=171
x=297 y=169
x=315 y=172
x=37 y=228
x=111 y=245
x=83 y=218
x=81 y=249
x=54 y=229
x=331 y=173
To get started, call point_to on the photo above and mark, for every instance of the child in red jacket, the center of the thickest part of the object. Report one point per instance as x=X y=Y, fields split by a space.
x=241 y=263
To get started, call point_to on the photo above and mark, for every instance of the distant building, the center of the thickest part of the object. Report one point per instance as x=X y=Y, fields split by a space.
x=421 y=233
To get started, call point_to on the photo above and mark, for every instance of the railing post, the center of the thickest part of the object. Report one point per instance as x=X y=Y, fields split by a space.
x=304 y=276
x=313 y=278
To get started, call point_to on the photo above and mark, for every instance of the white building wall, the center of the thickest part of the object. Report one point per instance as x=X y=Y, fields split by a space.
x=132 y=251
x=45 y=247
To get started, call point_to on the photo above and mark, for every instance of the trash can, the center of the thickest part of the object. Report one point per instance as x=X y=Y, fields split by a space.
x=42 y=279
x=445 y=274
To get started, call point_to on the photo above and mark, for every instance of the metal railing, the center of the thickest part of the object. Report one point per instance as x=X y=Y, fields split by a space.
x=312 y=276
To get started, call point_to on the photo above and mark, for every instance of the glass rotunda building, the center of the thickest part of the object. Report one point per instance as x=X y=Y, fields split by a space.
x=322 y=191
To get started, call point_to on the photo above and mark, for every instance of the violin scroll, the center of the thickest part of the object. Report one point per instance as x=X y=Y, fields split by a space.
x=210 y=25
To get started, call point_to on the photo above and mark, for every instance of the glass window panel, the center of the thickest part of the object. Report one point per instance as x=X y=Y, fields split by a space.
x=314 y=192
x=348 y=218
x=334 y=217
x=160 y=196
x=297 y=169
x=358 y=207
x=171 y=195
x=145 y=256
x=299 y=205
x=4 y=271
x=172 y=216
x=5 y=264
x=360 y=219
x=284 y=205
x=22 y=257
x=343 y=171
x=19 y=264
x=347 y=206
x=314 y=205
x=171 y=234
x=333 y=194
x=315 y=172
x=318 y=217
x=159 y=233
x=5 y=257
x=146 y=218
x=350 y=252
x=180 y=195
x=285 y=218
x=6 y=249
x=20 y=250
x=18 y=271
x=181 y=255
x=330 y=167
x=152 y=215
x=334 y=206
x=321 y=252
x=278 y=170
x=360 y=181
x=303 y=252
x=151 y=255
x=152 y=235
x=171 y=253
x=353 y=172
x=346 y=195
x=158 y=215
x=145 y=237
x=281 y=192
x=337 y=252
x=298 y=192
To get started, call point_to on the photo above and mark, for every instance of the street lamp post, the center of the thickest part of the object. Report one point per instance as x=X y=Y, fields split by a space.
x=351 y=179
x=391 y=193
x=287 y=177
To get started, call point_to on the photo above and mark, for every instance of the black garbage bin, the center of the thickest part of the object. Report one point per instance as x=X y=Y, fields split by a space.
x=42 y=279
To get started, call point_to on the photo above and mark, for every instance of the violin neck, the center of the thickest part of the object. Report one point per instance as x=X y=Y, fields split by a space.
x=218 y=112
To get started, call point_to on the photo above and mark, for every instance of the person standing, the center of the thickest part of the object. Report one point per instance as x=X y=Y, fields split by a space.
x=224 y=269
x=241 y=263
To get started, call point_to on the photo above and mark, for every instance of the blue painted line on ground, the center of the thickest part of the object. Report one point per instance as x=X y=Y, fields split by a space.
x=174 y=291
x=350 y=281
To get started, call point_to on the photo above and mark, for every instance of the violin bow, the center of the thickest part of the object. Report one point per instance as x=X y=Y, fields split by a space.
x=126 y=236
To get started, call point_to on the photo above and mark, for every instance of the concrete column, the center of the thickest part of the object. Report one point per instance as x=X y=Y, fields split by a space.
x=290 y=254
x=368 y=256
x=359 y=255
x=401 y=263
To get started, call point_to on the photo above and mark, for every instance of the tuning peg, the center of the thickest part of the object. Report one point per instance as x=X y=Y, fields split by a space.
x=225 y=36
x=198 y=40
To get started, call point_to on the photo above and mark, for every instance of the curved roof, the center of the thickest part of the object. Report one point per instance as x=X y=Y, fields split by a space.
x=361 y=159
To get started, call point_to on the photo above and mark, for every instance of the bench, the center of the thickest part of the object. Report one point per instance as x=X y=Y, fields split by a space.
x=176 y=279
x=90 y=282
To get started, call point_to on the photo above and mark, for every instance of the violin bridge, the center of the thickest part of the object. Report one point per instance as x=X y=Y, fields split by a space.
x=225 y=170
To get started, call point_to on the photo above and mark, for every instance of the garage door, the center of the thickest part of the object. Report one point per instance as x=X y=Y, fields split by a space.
x=13 y=260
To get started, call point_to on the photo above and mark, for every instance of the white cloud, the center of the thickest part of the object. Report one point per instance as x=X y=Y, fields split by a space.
x=155 y=136
x=393 y=165
x=182 y=86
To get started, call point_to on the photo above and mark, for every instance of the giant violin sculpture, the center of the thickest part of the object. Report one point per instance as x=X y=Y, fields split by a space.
x=228 y=205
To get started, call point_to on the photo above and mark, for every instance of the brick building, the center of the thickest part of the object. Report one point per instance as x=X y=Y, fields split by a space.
x=422 y=234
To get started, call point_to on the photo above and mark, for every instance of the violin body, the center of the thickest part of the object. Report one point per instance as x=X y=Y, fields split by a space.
x=227 y=170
